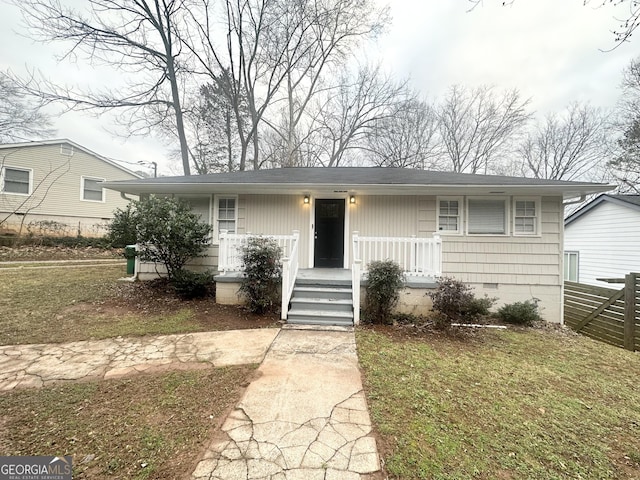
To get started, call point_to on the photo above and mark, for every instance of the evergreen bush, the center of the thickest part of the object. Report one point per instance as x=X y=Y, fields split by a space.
x=520 y=313
x=261 y=257
x=384 y=282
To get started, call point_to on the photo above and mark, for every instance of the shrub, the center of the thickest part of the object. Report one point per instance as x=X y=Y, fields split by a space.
x=168 y=232
x=520 y=313
x=121 y=231
x=384 y=282
x=454 y=301
x=262 y=274
x=189 y=285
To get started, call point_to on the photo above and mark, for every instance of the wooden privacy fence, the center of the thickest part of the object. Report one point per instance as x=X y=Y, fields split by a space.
x=605 y=314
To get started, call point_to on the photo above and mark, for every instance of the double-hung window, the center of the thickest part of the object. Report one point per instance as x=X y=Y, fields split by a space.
x=15 y=180
x=449 y=215
x=571 y=266
x=226 y=214
x=487 y=216
x=525 y=220
x=91 y=190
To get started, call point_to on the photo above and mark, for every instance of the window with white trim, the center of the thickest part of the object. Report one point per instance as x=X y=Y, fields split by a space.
x=525 y=219
x=486 y=216
x=91 y=190
x=226 y=214
x=15 y=180
x=449 y=215
x=571 y=266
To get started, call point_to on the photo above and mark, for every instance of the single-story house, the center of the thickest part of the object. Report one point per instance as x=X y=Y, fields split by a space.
x=54 y=187
x=602 y=239
x=502 y=235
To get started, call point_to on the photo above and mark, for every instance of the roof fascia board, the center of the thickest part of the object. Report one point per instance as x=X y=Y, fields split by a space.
x=594 y=203
x=380 y=189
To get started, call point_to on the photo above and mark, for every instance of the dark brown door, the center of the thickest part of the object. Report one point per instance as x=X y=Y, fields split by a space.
x=329 y=235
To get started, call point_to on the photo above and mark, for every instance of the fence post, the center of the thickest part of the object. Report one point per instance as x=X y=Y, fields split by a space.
x=629 y=311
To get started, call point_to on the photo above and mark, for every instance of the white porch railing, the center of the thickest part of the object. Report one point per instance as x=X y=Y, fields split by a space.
x=355 y=289
x=230 y=248
x=417 y=256
x=289 y=274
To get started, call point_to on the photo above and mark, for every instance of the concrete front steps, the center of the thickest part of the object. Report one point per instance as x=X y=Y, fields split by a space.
x=321 y=303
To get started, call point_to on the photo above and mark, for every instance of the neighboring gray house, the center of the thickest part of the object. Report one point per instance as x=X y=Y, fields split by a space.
x=54 y=187
x=502 y=235
x=602 y=239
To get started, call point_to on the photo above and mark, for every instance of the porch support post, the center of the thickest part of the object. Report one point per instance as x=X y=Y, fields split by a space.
x=355 y=286
x=286 y=273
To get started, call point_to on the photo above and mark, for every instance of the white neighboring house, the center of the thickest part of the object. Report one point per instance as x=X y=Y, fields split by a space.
x=54 y=187
x=602 y=239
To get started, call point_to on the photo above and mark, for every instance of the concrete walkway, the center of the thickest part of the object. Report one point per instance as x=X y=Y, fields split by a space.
x=24 y=366
x=304 y=418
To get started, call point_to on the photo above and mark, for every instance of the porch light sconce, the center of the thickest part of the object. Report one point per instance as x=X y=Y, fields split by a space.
x=352 y=199
x=306 y=199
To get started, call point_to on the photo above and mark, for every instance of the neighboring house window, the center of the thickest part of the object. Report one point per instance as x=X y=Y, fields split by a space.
x=16 y=180
x=91 y=191
x=449 y=215
x=486 y=216
x=525 y=221
x=571 y=265
x=226 y=214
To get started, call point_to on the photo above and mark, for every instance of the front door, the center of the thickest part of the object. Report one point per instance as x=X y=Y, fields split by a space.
x=329 y=233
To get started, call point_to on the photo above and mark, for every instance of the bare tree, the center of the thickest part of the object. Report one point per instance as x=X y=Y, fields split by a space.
x=353 y=110
x=478 y=126
x=21 y=117
x=625 y=166
x=139 y=37
x=569 y=146
x=277 y=52
x=407 y=139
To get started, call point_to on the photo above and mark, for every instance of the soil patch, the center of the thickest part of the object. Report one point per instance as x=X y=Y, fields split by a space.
x=37 y=252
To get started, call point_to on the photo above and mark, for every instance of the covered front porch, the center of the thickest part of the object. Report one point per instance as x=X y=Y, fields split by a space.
x=333 y=295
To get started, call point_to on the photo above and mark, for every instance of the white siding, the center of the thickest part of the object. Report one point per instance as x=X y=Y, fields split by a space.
x=512 y=268
x=608 y=241
x=277 y=215
x=57 y=187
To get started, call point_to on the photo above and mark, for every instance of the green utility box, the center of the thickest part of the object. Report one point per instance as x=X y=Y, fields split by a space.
x=130 y=255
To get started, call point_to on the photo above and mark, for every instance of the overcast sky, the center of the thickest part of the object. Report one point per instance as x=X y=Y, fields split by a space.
x=552 y=51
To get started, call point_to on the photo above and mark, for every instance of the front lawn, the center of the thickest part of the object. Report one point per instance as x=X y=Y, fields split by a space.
x=526 y=404
x=52 y=305
x=147 y=427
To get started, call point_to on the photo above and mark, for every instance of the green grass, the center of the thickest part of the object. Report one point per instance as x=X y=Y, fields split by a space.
x=515 y=405
x=112 y=428
x=63 y=305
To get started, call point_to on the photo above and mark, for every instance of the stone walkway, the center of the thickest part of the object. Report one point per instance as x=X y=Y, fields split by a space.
x=304 y=418
x=24 y=366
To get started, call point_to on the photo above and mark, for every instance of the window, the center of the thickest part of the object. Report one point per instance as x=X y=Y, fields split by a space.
x=571 y=264
x=449 y=215
x=226 y=214
x=525 y=221
x=91 y=191
x=16 y=180
x=487 y=216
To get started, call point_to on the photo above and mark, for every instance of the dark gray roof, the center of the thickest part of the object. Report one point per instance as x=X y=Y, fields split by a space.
x=350 y=176
x=630 y=201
